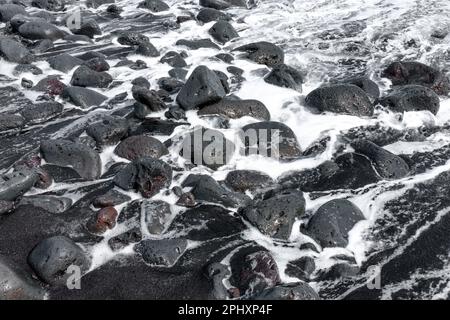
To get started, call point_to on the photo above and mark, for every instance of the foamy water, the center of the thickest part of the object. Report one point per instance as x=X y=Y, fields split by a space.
x=295 y=26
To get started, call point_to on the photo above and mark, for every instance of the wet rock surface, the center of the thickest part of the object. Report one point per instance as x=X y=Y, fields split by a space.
x=97 y=161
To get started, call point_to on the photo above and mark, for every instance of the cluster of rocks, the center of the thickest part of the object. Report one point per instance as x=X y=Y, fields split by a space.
x=55 y=241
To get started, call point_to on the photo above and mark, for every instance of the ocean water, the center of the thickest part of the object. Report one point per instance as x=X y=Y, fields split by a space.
x=325 y=40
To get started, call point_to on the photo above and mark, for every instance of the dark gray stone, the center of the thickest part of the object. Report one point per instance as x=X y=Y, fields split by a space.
x=135 y=147
x=154 y=5
x=234 y=109
x=83 y=97
x=10 y=122
x=243 y=180
x=263 y=52
x=174 y=59
x=412 y=72
x=36 y=30
x=16 y=183
x=340 y=98
x=290 y=291
x=52 y=204
x=164 y=252
x=197 y=44
x=42 y=112
x=147 y=175
x=207 y=147
x=52 y=258
x=286 y=77
x=223 y=31
x=84 y=76
x=330 y=225
x=157 y=216
x=387 y=164
x=108 y=131
x=284 y=146
x=82 y=158
x=9 y=10
x=275 y=214
x=203 y=87
x=15 y=52
x=64 y=62
x=206 y=15
x=205 y=188
x=411 y=98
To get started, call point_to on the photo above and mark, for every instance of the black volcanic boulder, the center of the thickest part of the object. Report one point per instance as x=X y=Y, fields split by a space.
x=16 y=284
x=411 y=98
x=154 y=5
x=243 y=180
x=330 y=225
x=197 y=44
x=64 y=62
x=146 y=175
x=369 y=86
x=88 y=28
x=203 y=87
x=16 y=183
x=36 y=30
x=206 y=15
x=84 y=76
x=235 y=109
x=9 y=10
x=286 y=77
x=215 y=4
x=174 y=59
x=206 y=189
x=290 y=291
x=162 y=252
x=171 y=85
x=83 y=97
x=42 y=112
x=347 y=171
x=80 y=157
x=108 y=131
x=274 y=213
x=272 y=139
x=147 y=101
x=53 y=259
x=50 y=5
x=135 y=147
x=207 y=147
x=253 y=269
x=222 y=31
x=14 y=51
x=340 y=98
x=412 y=72
x=263 y=52
x=387 y=164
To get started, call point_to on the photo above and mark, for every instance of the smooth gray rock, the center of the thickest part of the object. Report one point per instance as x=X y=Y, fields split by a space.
x=275 y=214
x=83 y=97
x=9 y=10
x=164 y=252
x=15 y=52
x=342 y=99
x=36 y=30
x=332 y=222
x=84 y=76
x=135 y=147
x=235 y=109
x=82 y=158
x=16 y=183
x=64 y=62
x=203 y=87
x=52 y=258
x=223 y=31
x=52 y=204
